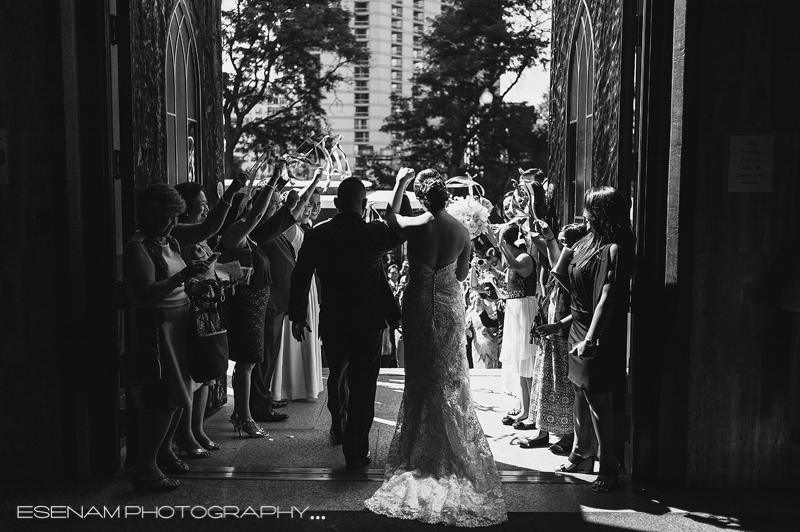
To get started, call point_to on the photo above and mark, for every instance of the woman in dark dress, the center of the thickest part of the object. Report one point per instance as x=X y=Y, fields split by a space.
x=246 y=307
x=597 y=275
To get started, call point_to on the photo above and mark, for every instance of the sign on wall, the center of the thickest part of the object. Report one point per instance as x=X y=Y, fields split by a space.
x=751 y=163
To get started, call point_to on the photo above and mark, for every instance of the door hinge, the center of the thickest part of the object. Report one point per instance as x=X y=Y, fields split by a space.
x=112 y=30
x=121 y=296
x=115 y=164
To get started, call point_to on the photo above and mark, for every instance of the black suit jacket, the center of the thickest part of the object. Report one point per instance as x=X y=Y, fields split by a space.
x=347 y=254
x=281 y=261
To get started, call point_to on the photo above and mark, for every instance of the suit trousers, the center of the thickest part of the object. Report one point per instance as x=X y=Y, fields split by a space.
x=354 y=361
x=261 y=377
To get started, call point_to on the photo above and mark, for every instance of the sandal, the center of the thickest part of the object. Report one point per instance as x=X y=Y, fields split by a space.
x=211 y=446
x=577 y=464
x=520 y=425
x=176 y=466
x=279 y=404
x=193 y=453
x=539 y=441
x=606 y=480
x=508 y=420
x=159 y=484
x=563 y=446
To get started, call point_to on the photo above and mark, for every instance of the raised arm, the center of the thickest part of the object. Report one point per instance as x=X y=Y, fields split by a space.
x=191 y=234
x=523 y=265
x=306 y=193
x=236 y=234
x=396 y=221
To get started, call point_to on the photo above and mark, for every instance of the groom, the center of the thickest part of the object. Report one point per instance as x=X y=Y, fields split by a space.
x=356 y=305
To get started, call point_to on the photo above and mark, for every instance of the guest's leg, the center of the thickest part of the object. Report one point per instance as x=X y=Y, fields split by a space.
x=602 y=415
x=166 y=453
x=198 y=416
x=185 y=436
x=583 y=424
x=241 y=389
x=362 y=376
x=153 y=427
x=260 y=396
x=525 y=383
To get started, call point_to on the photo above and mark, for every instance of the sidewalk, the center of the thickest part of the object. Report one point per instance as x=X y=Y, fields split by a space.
x=297 y=467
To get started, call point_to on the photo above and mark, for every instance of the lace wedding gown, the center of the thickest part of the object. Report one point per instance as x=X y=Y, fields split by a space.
x=439 y=468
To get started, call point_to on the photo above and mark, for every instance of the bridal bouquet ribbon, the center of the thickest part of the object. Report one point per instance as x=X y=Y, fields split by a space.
x=470 y=212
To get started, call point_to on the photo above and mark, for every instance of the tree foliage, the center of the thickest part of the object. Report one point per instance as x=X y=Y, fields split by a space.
x=469 y=47
x=272 y=52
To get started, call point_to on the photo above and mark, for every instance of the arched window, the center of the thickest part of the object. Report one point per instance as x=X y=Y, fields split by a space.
x=580 y=113
x=183 y=100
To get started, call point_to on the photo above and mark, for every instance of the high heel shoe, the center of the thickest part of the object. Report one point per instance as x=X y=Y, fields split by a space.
x=252 y=429
x=577 y=464
x=607 y=479
x=249 y=426
x=159 y=484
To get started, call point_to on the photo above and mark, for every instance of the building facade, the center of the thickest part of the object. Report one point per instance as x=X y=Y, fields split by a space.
x=391 y=30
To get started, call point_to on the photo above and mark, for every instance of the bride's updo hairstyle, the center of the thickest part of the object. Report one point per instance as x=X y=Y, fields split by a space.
x=431 y=190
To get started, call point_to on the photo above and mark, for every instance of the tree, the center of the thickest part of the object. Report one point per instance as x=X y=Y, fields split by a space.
x=469 y=47
x=273 y=53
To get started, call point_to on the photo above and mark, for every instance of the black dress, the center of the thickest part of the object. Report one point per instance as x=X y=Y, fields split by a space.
x=586 y=286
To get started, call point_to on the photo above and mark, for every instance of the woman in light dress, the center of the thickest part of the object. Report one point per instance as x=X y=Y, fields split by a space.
x=440 y=468
x=298 y=371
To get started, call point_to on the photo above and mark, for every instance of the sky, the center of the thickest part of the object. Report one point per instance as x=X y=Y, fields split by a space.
x=530 y=89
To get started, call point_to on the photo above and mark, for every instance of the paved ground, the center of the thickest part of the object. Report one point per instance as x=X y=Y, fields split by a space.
x=296 y=467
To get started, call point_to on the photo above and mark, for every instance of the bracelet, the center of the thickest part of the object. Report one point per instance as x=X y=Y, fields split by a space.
x=550 y=239
x=270 y=186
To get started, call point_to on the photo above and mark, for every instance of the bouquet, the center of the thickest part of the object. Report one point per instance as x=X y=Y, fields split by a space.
x=470 y=212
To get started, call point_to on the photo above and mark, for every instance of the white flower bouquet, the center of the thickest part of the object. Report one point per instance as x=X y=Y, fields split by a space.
x=471 y=212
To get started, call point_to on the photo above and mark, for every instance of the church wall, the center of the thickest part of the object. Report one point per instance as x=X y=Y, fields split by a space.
x=606 y=19
x=149 y=24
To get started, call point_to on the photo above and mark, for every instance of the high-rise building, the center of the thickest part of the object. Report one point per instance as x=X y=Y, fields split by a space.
x=392 y=32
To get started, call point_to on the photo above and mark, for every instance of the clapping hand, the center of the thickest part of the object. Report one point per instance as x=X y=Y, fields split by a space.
x=543 y=228
x=292 y=197
x=238 y=183
x=404 y=176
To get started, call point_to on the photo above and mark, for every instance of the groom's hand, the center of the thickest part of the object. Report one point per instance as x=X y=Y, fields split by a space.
x=299 y=329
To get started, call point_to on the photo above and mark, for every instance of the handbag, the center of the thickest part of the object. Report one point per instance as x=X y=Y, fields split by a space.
x=143 y=365
x=208 y=341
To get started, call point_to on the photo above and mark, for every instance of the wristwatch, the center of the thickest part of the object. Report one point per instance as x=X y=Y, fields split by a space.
x=590 y=343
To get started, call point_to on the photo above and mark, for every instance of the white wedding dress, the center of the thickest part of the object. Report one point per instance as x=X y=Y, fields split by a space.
x=439 y=468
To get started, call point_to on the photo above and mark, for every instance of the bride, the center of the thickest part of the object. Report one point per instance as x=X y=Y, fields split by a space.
x=439 y=468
